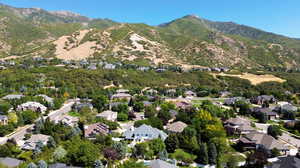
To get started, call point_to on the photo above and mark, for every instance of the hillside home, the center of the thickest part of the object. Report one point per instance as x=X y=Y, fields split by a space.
x=285 y=162
x=34 y=106
x=143 y=133
x=90 y=131
x=183 y=105
x=121 y=96
x=46 y=98
x=108 y=115
x=13 y=96
x=238 y=126
x=256 y=140
x=271 y=115
x=190 y=93
x=67 y=120
x=263 y=99
x=31 y=143
x=176 y=127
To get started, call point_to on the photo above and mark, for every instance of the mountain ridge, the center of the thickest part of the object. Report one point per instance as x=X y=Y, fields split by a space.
x=187 y=41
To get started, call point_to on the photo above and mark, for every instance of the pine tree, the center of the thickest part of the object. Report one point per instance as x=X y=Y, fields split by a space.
x=203 y=154
x=212 y=154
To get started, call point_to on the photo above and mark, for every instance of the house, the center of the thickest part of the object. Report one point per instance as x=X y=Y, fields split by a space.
x=256 y=140
x=122 y=91
x=13 y=96
x=176 y=127
x=288 y=108
x=224 y=94
x=267 y=111
x=109 y=66
x=46 y=98
x=144 y=132
x=190 y=93
x=34 y=106
x=90 y=131
x=232 y=101
x=78 y=106
x=92 y=67
x=151 y=92
x=9 y=162
x=161 y=164
x=238 y=125
x=263 y=99
x=285 y=162
x=3 y=120
x=116 y=104
x=160 y=70
x=30 y=144
x=121 y=96
x=67 y=120
x=183 y=105
x=108 y=115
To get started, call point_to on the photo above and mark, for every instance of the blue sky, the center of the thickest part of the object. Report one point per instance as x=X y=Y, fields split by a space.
x=278 y=16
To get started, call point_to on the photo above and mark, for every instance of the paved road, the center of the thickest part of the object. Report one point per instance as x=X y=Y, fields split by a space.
x=20 y=132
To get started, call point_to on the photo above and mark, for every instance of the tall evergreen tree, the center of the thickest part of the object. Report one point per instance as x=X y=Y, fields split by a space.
x=212 y=154
x=203 y=154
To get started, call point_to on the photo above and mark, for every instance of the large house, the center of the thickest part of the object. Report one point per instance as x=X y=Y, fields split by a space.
x=271 y=115
x=190 y=93
x=90 y=131
x=48 y=99
x=67 y=120
x=183 y=105
x=263 y=99
x=34 y=106
x=120 y=96
x=238 y=125
x=144 y=132
x=285 y=162
x=30 y=144
x=108 y=115
x=257 y=140
x=176 y=127
x=3 y=120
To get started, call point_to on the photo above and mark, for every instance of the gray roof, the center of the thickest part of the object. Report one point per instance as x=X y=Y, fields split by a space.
x=143 y=130
x=176 y=126
x=13 y=96
x=286 y=162
x=3 y=117
x=161 y=164
x=10 y=162
x=46 y=98
x=265 y=140
x=289 y=107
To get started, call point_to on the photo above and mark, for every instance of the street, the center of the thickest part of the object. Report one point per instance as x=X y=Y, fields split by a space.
x=19 y=133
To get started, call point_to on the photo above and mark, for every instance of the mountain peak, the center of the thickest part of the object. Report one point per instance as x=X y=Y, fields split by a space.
x=65 y=13
x=193 y=16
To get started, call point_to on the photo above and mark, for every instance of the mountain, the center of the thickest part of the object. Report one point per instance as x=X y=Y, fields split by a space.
x=189 y=41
